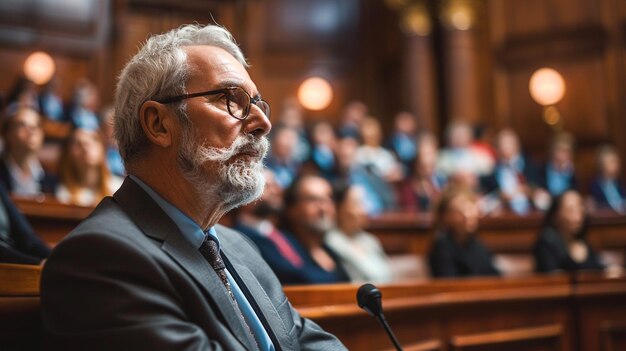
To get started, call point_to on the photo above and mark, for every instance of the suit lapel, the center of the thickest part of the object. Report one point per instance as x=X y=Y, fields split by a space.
x=257 y=294
x=155 y=223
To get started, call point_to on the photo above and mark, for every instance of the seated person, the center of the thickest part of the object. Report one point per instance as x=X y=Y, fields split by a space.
x=18 y=243
x=422 y=189
x=557 y=175
x=20 y=169
x=379 y=194
x=607 y=191
x=457 y=251
x=84 y=178
x=281 y=159
x=360 y=252
x=258 y=221
x=309 y=215
x=562 y=244
x=514 y=175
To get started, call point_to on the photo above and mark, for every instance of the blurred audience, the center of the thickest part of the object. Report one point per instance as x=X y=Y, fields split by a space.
x=353 y=115
x=292 y=118
x=379 y=196
x=403 y=139
x=84 y=178
x=281 y=159
x=21 y=171
x=373 y=156
x=18 y=242
x=457 y=251
x=557 y=175
x=323 y=144
x=113 y=157
x=514 y=176
x=460 y=157
x=562 y=245
x=50 y=101
x=85 y=103
x=607 y=190
x=309 y=214
x=258 y=221
x=359 y=252
x=421 y=190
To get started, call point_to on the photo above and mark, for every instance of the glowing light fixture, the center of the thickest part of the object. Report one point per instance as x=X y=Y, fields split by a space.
x=546 y=86
x=39 y=67
x=315 y=93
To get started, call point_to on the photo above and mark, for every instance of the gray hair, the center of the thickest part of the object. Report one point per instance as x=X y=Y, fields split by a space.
x=160 y=70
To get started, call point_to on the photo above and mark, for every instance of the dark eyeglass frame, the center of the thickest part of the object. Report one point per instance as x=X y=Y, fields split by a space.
x=246 y=112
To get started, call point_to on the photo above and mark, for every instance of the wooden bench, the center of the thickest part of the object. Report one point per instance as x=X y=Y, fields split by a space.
x=553 y=312
x=19 y=307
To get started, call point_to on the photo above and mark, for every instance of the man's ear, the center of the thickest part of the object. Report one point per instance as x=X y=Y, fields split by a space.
x=157 y=122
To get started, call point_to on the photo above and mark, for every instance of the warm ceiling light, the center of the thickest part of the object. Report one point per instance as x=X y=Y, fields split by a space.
x=546 y=86
x=315 y=93
x=39 y=67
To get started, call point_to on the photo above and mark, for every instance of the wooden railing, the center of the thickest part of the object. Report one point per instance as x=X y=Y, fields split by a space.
x=584 y=312
x=557 y=312
x=400 y=233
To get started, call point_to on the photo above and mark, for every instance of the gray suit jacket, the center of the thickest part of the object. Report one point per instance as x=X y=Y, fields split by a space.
x=126 y=279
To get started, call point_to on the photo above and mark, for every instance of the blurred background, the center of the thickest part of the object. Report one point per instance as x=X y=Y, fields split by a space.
x=440 y=60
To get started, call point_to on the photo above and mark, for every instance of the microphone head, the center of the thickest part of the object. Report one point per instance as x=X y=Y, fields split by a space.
x=369 y=298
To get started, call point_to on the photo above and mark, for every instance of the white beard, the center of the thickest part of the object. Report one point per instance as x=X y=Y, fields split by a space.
x=238 y=183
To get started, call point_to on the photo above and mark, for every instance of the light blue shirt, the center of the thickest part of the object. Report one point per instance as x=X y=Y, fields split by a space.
x=195 y=235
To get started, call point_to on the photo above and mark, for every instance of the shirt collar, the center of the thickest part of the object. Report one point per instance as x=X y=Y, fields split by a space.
x=187 y=226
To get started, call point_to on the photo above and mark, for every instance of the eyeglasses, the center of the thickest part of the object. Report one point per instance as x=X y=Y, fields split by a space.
x=238 y=101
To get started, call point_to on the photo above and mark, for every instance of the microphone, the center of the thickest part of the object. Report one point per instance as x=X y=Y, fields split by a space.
x=369 y=298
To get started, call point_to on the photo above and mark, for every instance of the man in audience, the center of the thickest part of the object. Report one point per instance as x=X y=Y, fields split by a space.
x=309 y=215
x=403 y=140
x=558 y=173
x=20 y=169
x=607 y=190
x=258 y=221
x=151 y=269
x=18 y=241
x=514 y=176
x=379 y=195
x=281 y=159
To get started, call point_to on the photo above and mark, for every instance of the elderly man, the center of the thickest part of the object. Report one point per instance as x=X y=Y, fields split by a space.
x=151 y=269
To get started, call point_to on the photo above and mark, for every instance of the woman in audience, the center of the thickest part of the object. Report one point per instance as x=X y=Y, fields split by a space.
x=374 y=156
x=422 y=190
x=360 y=252
x=562 y=244
x=83 y=174
x=457 y=251
x=20 y=169
x=607 y=191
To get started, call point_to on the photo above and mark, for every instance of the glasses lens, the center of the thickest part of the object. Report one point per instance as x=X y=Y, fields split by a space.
x=265 y=107
x=238 y=103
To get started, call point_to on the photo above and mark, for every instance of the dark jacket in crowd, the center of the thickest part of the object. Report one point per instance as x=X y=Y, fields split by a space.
x=551 y=254
x=48 y=182
x=600 y=197
x=20 y=244
x=309 y=273
x=448 y=258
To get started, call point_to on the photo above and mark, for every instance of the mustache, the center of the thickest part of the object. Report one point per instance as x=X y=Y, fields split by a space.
x=247 y=144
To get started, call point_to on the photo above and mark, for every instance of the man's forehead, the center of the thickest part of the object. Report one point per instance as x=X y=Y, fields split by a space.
x=213 y=66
